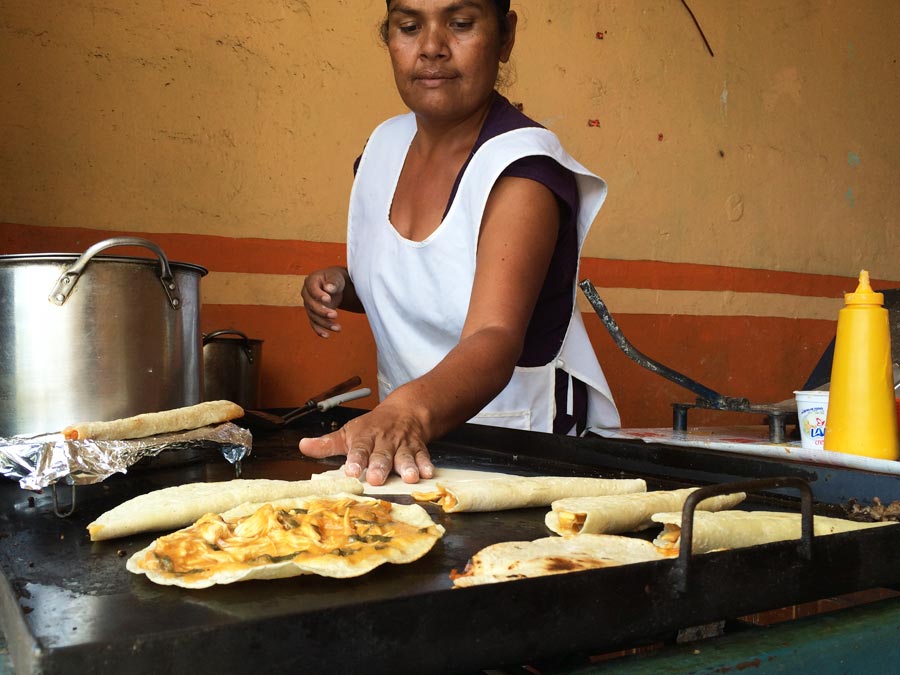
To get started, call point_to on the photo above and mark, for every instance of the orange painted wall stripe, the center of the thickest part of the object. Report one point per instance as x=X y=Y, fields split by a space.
x=284 y=256
x=762 y=358
x=695 y=277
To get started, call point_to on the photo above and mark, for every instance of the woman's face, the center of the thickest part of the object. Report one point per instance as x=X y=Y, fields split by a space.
x=446 y=54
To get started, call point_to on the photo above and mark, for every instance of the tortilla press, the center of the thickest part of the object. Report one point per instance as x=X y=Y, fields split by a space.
x=778 y=414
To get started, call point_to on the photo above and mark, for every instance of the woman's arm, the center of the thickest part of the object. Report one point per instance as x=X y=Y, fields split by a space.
x=518 y=234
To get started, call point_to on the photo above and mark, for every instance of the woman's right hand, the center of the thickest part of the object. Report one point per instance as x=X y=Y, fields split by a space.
x=383 y=440
x=323 y=292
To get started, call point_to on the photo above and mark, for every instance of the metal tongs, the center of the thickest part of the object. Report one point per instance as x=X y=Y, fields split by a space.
x=326 y=400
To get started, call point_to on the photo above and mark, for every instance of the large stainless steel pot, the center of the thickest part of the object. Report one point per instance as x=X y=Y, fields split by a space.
x=96 y=337
x=232 y=365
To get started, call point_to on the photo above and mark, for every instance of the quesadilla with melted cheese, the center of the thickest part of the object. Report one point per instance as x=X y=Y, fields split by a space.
x=613 y=514
x=339 y=536
x=514 y=492
x=736 y=529
x=511 y=560
x=181 y=505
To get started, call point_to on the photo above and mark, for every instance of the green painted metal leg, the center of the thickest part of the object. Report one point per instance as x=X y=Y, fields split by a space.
x=863 y=639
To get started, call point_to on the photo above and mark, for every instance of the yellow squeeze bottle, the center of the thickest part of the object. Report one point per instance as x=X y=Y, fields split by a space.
x=862 y=417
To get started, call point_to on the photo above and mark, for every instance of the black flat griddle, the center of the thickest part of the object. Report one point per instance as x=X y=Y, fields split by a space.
x=69 y=605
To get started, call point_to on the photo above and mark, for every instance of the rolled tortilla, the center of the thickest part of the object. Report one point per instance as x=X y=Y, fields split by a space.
x=511 y=560
x=151 y=424
x=395 y=485
x=736 y=529
x=513 y=492
x=612 y=514
x=174 y=507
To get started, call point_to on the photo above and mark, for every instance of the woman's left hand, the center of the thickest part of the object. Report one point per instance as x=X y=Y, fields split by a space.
x=376 y=442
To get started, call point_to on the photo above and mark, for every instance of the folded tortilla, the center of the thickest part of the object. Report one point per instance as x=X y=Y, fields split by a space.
x=735 y=529
x=612 y=514
x=513 y=492
x=511 y=560
x=154 y=423
x=179 y=506
x=338 y=536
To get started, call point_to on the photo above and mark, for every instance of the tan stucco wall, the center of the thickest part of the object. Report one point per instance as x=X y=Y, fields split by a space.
x=778 y=152
x=242 y=118
x=236 y=117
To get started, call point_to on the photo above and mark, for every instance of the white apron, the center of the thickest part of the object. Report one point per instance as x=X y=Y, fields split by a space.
x=416 y=294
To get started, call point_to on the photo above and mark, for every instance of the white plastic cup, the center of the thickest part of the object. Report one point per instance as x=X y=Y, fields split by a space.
x=812 y=408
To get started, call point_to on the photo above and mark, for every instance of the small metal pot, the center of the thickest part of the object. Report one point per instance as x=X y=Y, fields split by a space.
x=232 y=368
x=96 y=337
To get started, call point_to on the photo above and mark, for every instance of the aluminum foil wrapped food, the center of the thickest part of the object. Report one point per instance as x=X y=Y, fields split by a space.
x=43 y=460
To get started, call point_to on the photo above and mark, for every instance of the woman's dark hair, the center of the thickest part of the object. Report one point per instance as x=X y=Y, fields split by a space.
x=501 y=7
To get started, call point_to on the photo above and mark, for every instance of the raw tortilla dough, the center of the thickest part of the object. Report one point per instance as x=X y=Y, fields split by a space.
x=175 y=507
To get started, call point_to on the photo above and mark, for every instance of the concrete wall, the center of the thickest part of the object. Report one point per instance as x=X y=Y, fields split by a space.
x=749 y=181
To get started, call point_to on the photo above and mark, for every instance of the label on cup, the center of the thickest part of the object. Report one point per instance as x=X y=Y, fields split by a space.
x=812 y=407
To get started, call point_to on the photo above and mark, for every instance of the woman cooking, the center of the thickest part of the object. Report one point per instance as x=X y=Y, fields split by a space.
x=465 y=226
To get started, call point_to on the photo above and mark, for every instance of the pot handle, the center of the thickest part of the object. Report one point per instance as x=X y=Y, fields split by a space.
x=66 y=283
x=226 y=331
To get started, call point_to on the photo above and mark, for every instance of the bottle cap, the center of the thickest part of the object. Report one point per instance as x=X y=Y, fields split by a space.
x=864 y=295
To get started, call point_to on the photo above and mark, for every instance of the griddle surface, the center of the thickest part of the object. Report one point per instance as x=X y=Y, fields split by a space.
x=69 y=605
x=74 y=595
